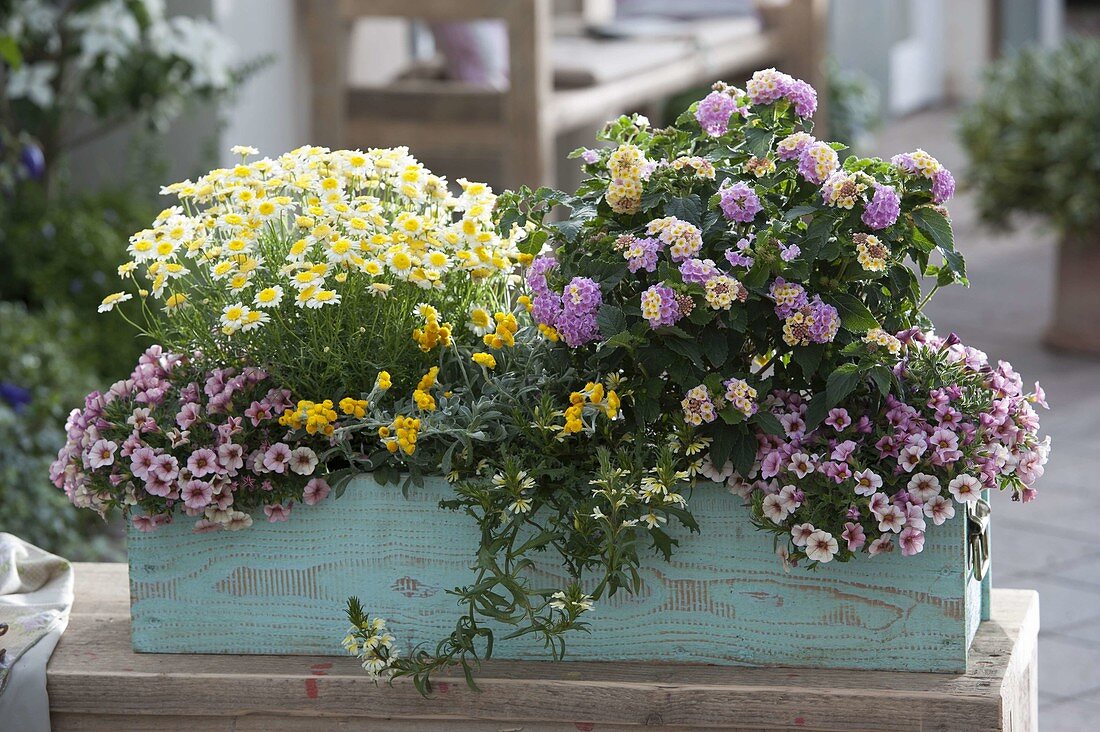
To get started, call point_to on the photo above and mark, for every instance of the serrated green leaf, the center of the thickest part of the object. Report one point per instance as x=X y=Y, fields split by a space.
x=686 y=208
x=841 y=383
x=854 y=315
x=768 y=422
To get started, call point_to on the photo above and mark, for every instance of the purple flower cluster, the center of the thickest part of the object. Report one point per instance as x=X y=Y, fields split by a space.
x=715 y=109
x=642 y=253
x=768 y=85
x=883 y=208
x=817 y=161
x=169 y=438
x=739 y=256
x=910 y=463
x=660 y=306
x=943 y=186
x=739 y=202
x=698 y=271
x=580 y=300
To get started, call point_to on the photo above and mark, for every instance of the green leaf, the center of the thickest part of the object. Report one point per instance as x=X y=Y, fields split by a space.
x=854 y=315
x=798 y=212
x=533 y=244
x=686 y=208
x=758 y=141
x=10 y=53
x=808 y=358
x=936 y=225
x=744 y=452
x=721 y=448
x=611 y=320
x=716 y=347
x=568 y=229
x=816 y=412
x=883 y=378
x=841 y=383
x=816 y=236
x=768 y=422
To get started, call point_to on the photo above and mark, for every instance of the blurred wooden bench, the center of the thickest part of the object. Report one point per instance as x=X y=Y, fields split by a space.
x=96 y=683
x=518 y=126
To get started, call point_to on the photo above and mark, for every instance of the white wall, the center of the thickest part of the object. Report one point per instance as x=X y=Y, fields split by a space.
x=271 y=112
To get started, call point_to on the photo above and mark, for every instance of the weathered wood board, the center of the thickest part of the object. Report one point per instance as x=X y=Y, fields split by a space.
x=724 y=598
x=96 y=682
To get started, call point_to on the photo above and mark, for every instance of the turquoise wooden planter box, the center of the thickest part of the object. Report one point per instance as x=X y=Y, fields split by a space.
x=724 y=599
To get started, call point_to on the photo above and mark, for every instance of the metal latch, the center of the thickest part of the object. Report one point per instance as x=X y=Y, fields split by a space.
x=977 y=535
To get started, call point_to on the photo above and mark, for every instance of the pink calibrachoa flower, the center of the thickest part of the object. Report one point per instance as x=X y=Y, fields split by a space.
x=141 y=462
x=230 y=457
x=773 y=509
x=867 y=482
x=923 y=487
x=838 y=419
x=910 y=457
x=911 y=541
x=854 y=535
x=188 y=415
x=202 y=462
x=238 y=520
x=196 y=493
x=890 y=518
x=277 y=512
x=146 y=524
x=303 y=460
x=881 y=545
x=277 y=457
x=165 y=467
x=800 y=464
x=821 y=546
x=101 y=454
x=965 y=488
x=316 y=491
x=939 y=509
x=800 y=534
x=879 y=501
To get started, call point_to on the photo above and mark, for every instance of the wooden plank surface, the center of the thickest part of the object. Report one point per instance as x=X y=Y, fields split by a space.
x=97 y=683
x=724 y=598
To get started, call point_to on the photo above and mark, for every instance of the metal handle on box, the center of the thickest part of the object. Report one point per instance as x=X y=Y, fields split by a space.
x=977 y=529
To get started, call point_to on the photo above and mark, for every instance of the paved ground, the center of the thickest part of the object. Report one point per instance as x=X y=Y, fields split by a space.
x=1051 y=544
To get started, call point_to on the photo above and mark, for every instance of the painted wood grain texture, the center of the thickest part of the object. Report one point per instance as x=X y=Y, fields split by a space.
x=724 y=598
x=96 y=682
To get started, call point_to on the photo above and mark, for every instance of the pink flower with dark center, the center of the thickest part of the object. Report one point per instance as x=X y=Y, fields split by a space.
x=923 y=487
x=203 y=461
x=196 y=494
x=838 y=419
x=910 y=457
x=853 y=534
x=141 y=462
x=303 y=460
x=316 y=491
x=165 y=467
x=155 y=486
x=790 y=498
x=965 y=488
x=773 y=509
x=914 y=517
x=276 y=458
x=188 y=415
x=867 y=482
x=800 y=464
x=844 y=450
x=277 y=512
x=821 y=546
x=800 y=534
x=881 y=545
x=939 y=509
x=149 y=523
x=911 y=541
x=231 y=457
x=101 y=454
x=879 y=501
x=891 y=518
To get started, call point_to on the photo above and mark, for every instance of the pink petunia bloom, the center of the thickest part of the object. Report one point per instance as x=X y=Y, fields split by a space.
x=867 y=482
x=793 y=425
x=853 y=534
x=146 y=524
x=238 y=520
x=203 y=461
x=141 y=462
x=821 y=546
x=773 y=509
x=101 y=454
x=188 y=415
x=790 y=498
x=911 y=541
x=316 y=491
x=844 y=450
x=838 y=419
x=881 y=545
x=965 y=488
x=914 y=517
x=939 y=509
x=879 y=501
x=231 y=457
x=277 y=512
x=205 y=526
x=165 y=467
x=891 y=518
x=800 y=533
x=800 y=464
x=155 y=486
x=303 y=460
x=196 y=494
x=923 y=486
x=910 y=457
x=771 y=465
x=277 y=457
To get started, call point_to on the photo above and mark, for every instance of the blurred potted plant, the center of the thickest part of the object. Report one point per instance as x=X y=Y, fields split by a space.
x=1034 y=149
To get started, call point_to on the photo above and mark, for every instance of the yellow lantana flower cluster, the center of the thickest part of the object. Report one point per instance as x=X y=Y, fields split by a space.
x=628 y=168
x=597 y=399
x=315 y=417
